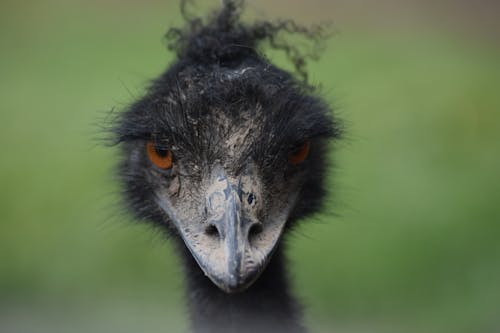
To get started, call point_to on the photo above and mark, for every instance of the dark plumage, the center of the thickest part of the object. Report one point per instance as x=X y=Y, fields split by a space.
x=226 y=152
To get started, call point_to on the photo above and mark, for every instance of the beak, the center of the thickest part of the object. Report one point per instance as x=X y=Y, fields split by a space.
x=230 y=246
x=226 y=226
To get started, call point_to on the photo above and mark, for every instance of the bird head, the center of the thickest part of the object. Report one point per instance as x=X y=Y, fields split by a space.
x=225 y=151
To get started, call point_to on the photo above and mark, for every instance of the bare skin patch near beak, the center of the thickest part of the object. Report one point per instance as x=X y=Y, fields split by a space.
x=228 y=243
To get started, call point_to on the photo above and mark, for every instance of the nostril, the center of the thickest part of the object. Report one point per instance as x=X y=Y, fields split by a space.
x=212 y=231
x=251 y=199
x=254 y=230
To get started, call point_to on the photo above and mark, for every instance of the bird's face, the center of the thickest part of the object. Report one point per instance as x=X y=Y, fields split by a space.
x=227 y=176
x=228 y=215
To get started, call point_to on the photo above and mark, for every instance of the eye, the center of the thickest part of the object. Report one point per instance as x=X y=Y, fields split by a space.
x=161 y=157
x=300 y=154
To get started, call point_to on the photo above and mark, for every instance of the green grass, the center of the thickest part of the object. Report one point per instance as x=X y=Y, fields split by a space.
x=414 y=247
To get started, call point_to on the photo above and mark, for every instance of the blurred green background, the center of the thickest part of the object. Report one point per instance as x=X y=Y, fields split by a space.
x=413 y=246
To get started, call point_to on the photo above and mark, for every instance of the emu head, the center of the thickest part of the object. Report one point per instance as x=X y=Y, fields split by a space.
x=225 y=151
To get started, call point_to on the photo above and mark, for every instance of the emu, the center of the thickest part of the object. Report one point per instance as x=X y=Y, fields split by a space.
x=226 y=152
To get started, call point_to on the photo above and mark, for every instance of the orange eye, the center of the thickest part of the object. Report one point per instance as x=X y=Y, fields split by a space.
x=300 y=154
x=161 y=157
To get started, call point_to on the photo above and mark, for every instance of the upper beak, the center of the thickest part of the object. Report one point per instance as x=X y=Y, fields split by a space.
x=233 y=270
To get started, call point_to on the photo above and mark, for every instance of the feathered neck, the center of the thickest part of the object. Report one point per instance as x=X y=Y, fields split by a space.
x=267 y=306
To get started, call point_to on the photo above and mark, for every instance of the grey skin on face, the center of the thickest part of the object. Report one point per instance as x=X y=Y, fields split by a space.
x=232 y=233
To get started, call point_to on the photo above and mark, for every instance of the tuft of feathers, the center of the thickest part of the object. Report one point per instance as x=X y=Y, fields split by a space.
x=223 y=38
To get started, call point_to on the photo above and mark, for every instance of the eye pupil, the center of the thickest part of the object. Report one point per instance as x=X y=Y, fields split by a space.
x=161 y=151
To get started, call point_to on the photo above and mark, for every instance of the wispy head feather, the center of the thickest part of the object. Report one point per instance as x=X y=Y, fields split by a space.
x=223 y=38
